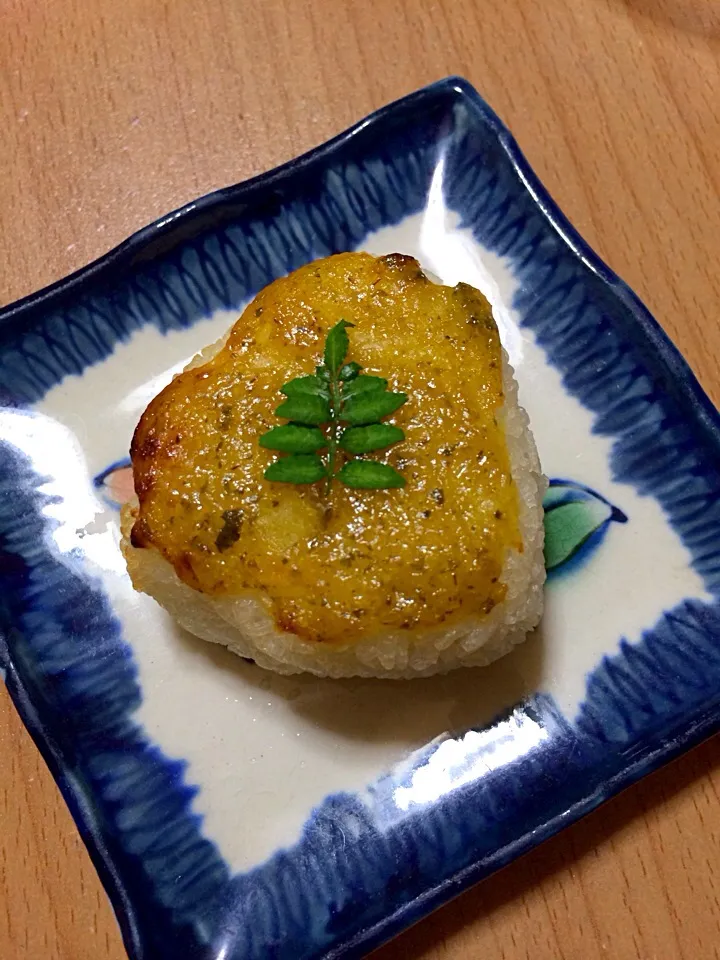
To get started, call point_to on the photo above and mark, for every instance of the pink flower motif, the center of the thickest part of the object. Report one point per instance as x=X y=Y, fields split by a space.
x=116 y=483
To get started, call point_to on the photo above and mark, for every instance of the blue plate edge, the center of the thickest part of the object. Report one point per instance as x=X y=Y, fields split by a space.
x=122 y=254
x=667 y=353
x=435 y=897
x=673 y=359
x=410 y=913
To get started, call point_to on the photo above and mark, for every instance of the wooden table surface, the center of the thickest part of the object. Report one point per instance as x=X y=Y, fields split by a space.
x=112 y=113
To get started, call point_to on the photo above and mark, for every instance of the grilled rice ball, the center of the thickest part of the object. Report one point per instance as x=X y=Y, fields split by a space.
x=444 y=572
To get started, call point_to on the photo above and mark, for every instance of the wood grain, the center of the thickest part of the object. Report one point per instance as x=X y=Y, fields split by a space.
x=114 y=113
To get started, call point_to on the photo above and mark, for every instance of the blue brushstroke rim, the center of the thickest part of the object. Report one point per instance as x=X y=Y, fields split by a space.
x=183 y=223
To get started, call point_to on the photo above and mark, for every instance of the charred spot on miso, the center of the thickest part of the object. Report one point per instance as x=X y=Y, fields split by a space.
x=225 y=417
x=230 y=530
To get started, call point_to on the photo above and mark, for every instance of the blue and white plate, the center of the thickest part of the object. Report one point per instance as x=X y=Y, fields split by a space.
x=235 y=814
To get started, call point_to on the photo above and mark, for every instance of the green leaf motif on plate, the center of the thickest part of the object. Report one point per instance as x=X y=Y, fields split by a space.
x=576 y=520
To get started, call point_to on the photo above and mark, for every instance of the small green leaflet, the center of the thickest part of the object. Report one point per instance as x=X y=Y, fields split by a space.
x=337 y=345
x=371 y=407
x=364 y=384
x=297 y=468
x=294 y=438
x=338 y=393
x=370 y=475
x=377 y=436
x=304 y=408
x=302 y=386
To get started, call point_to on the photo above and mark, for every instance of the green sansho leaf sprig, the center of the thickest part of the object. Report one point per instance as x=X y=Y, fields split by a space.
x=349 y=405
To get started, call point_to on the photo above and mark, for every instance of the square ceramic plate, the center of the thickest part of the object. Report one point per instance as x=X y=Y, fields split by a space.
x=236 y=814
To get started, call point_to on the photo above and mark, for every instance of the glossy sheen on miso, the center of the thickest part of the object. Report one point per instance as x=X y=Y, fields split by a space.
x=359 y=561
